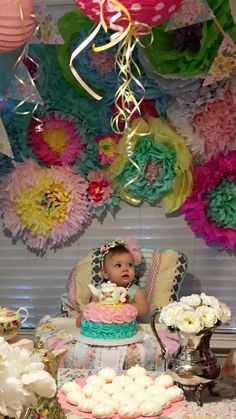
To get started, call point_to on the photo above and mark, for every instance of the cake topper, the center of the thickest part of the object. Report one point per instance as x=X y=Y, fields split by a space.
x=109 y=293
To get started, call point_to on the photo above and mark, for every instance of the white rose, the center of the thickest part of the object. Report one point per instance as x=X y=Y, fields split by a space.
x=207 y=315
x=169 y=313
x=189 y=322
x=209 y=300
x=225 y=315
x=193 y=300
x=39 y=382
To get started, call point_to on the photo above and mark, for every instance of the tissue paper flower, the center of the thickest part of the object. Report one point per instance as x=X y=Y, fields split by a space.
x=55 y=139
x=216 y=125
x=44 y=207
x=22 y=379
x=101 y=193
x=107 y=147
x=162 y=169
x=168 y=60
x=194 y=313
x=206 y=118
x=214 y=181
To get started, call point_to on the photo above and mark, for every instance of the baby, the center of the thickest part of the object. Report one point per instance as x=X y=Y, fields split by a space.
x=118 y=261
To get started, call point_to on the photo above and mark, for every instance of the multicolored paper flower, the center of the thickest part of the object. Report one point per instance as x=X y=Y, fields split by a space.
x=101 y=193
x=159 y=169
x=107 y=147
x=44 y=207
x=210 y=208
x=55 y=139
x=206 y=118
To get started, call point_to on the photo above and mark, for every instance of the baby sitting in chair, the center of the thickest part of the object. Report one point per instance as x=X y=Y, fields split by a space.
x=119 y=260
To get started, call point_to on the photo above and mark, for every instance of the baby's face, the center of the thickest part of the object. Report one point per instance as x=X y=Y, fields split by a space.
x=119 y=269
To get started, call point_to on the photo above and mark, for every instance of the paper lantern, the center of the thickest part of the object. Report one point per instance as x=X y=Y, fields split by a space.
x=16 y=23
x=150 y=12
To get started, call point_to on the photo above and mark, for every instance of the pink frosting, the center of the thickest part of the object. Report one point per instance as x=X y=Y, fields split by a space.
x=110 y=314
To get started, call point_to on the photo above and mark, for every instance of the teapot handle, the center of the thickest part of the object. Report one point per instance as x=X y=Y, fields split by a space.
x=123 y=294
x=155 y=314
x=26 y=314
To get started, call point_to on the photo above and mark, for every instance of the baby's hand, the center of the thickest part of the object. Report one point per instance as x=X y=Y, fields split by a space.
x=78 y=319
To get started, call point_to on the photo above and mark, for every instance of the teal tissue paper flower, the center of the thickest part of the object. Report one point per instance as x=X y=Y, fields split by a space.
x=156 y=163
x=222 y=206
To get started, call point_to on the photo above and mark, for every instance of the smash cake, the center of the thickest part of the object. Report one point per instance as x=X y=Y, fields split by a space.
x=111 y=317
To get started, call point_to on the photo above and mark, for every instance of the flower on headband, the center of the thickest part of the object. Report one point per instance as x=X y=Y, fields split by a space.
x=130 y=244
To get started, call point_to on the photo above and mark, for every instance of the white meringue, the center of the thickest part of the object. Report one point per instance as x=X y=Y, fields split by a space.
x=143 y=381
x=132 y=389
x=175 y=393
x=155 y=390
x=70 y=386
x=100 y=395
x=122 y=380
x=136 y=371
x=128 y=410
x=107 y=373
x=102 y=411
x=89 y=389
x=164 y=380
x=111 y=388
x=164 y=400
x=95 y=380
x=73 y=397
x=150 y=408
x=86 y=405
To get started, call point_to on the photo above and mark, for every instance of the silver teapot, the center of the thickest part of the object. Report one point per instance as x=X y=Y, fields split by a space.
x=193 y=366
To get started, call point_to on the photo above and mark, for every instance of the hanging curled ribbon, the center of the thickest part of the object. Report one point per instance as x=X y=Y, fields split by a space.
x=22 y=82
x=126 y=103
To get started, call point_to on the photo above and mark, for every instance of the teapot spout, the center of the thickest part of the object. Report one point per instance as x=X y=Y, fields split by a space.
x=156 y=314
x=93 y=290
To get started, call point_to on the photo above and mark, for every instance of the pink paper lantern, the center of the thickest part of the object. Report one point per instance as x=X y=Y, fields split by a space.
x=16 y=23
x=150 y=12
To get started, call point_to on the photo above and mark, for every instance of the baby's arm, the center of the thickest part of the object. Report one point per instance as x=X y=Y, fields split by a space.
x=141 y=303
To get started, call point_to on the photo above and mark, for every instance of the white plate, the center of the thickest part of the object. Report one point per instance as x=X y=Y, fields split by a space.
x=110 y=342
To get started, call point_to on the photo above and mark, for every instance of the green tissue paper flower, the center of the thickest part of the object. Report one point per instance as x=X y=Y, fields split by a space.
x=156 y=162
x=166 y=59
x=222 y=206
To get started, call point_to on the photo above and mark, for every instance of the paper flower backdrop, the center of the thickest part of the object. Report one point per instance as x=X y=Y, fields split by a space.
x=55 y=138
x=43 y=207
x=210 y=208
x=185 y=117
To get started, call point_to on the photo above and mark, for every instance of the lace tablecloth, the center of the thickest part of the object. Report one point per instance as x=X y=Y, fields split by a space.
x=220 y=407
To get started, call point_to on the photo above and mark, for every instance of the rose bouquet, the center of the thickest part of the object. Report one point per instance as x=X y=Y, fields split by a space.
x=195 y=313
x=23 y=380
